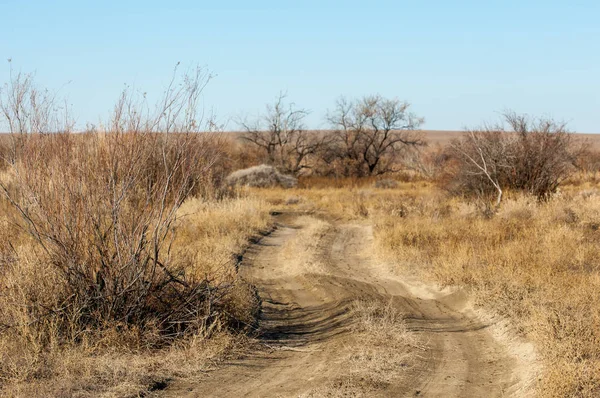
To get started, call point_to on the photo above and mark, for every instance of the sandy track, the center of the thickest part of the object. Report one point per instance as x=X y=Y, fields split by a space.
x=306 y=322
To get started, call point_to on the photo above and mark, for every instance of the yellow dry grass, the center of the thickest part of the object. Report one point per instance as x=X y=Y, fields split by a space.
x=343 y=199
x=211 y=234
x=383 y=356
x=536 y=264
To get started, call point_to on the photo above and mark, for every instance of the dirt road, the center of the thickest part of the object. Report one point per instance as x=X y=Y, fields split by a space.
x=310 y=274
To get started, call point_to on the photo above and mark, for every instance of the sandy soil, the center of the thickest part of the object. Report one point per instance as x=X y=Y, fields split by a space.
x=309 y=273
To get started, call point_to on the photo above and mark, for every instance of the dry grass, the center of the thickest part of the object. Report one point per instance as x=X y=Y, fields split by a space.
x=346 y=199
x=89 y=372
x=112 y=363
x=212 y=231
x=386 y=183
x=536 y=264
x=384 y=354
x=112 y=278
x=385 y=342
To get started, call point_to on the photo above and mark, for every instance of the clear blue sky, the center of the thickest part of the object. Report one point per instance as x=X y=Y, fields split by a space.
x=458 y=62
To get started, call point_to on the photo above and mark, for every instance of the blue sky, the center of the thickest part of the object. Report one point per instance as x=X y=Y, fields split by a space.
x=459 y=63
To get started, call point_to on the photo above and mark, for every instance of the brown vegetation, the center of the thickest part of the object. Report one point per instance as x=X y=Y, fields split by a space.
x=282 y=137
x=531 y=156
x=533 y=263
x=370 y=134
x=119 y=247
x=94 y=256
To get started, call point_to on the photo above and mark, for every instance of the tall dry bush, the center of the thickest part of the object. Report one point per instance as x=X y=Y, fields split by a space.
x=281 y=136
x=97 y=214
x=531 y=155
x=426 y=162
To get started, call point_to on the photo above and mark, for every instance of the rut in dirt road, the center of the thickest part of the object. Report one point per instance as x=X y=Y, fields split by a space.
x=311 y=274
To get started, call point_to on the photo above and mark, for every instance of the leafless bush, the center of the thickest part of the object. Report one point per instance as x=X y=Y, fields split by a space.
x=428 y=162
x=100 y=211
x=589 y=160
x=370 y=135
x=530 y=155
x=26 y=109
x=282 y=136
x=262 y=176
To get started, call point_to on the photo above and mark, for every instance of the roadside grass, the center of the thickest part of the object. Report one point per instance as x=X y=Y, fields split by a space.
x=536 y=264
x=385 y=340
x=385 y=353
x=114 y=362
x=345 y=199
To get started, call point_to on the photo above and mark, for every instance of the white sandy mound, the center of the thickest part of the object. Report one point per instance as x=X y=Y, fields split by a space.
x=262 y=176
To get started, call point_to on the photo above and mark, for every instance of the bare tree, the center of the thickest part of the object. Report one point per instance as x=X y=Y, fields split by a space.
x=283 y=137
x=370 y=133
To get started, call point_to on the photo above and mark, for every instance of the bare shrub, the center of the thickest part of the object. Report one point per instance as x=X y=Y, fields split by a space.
x=370 y=135
x=589 y=160
x=484 y=161
x=99 y=212
x=28 y=109
x=262 y=176
x=96 y=262
x=428 y=162
x=280 y=133
x=115 y=361
x=531 y=155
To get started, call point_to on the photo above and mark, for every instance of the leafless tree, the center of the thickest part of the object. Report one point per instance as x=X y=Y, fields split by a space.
x=370 y=133
x=283 y=137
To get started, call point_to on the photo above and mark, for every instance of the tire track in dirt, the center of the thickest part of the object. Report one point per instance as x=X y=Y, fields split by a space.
x=306 y=325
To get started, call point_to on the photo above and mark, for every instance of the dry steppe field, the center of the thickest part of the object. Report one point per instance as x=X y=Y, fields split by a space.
x=158 y=257
x=444 y=137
